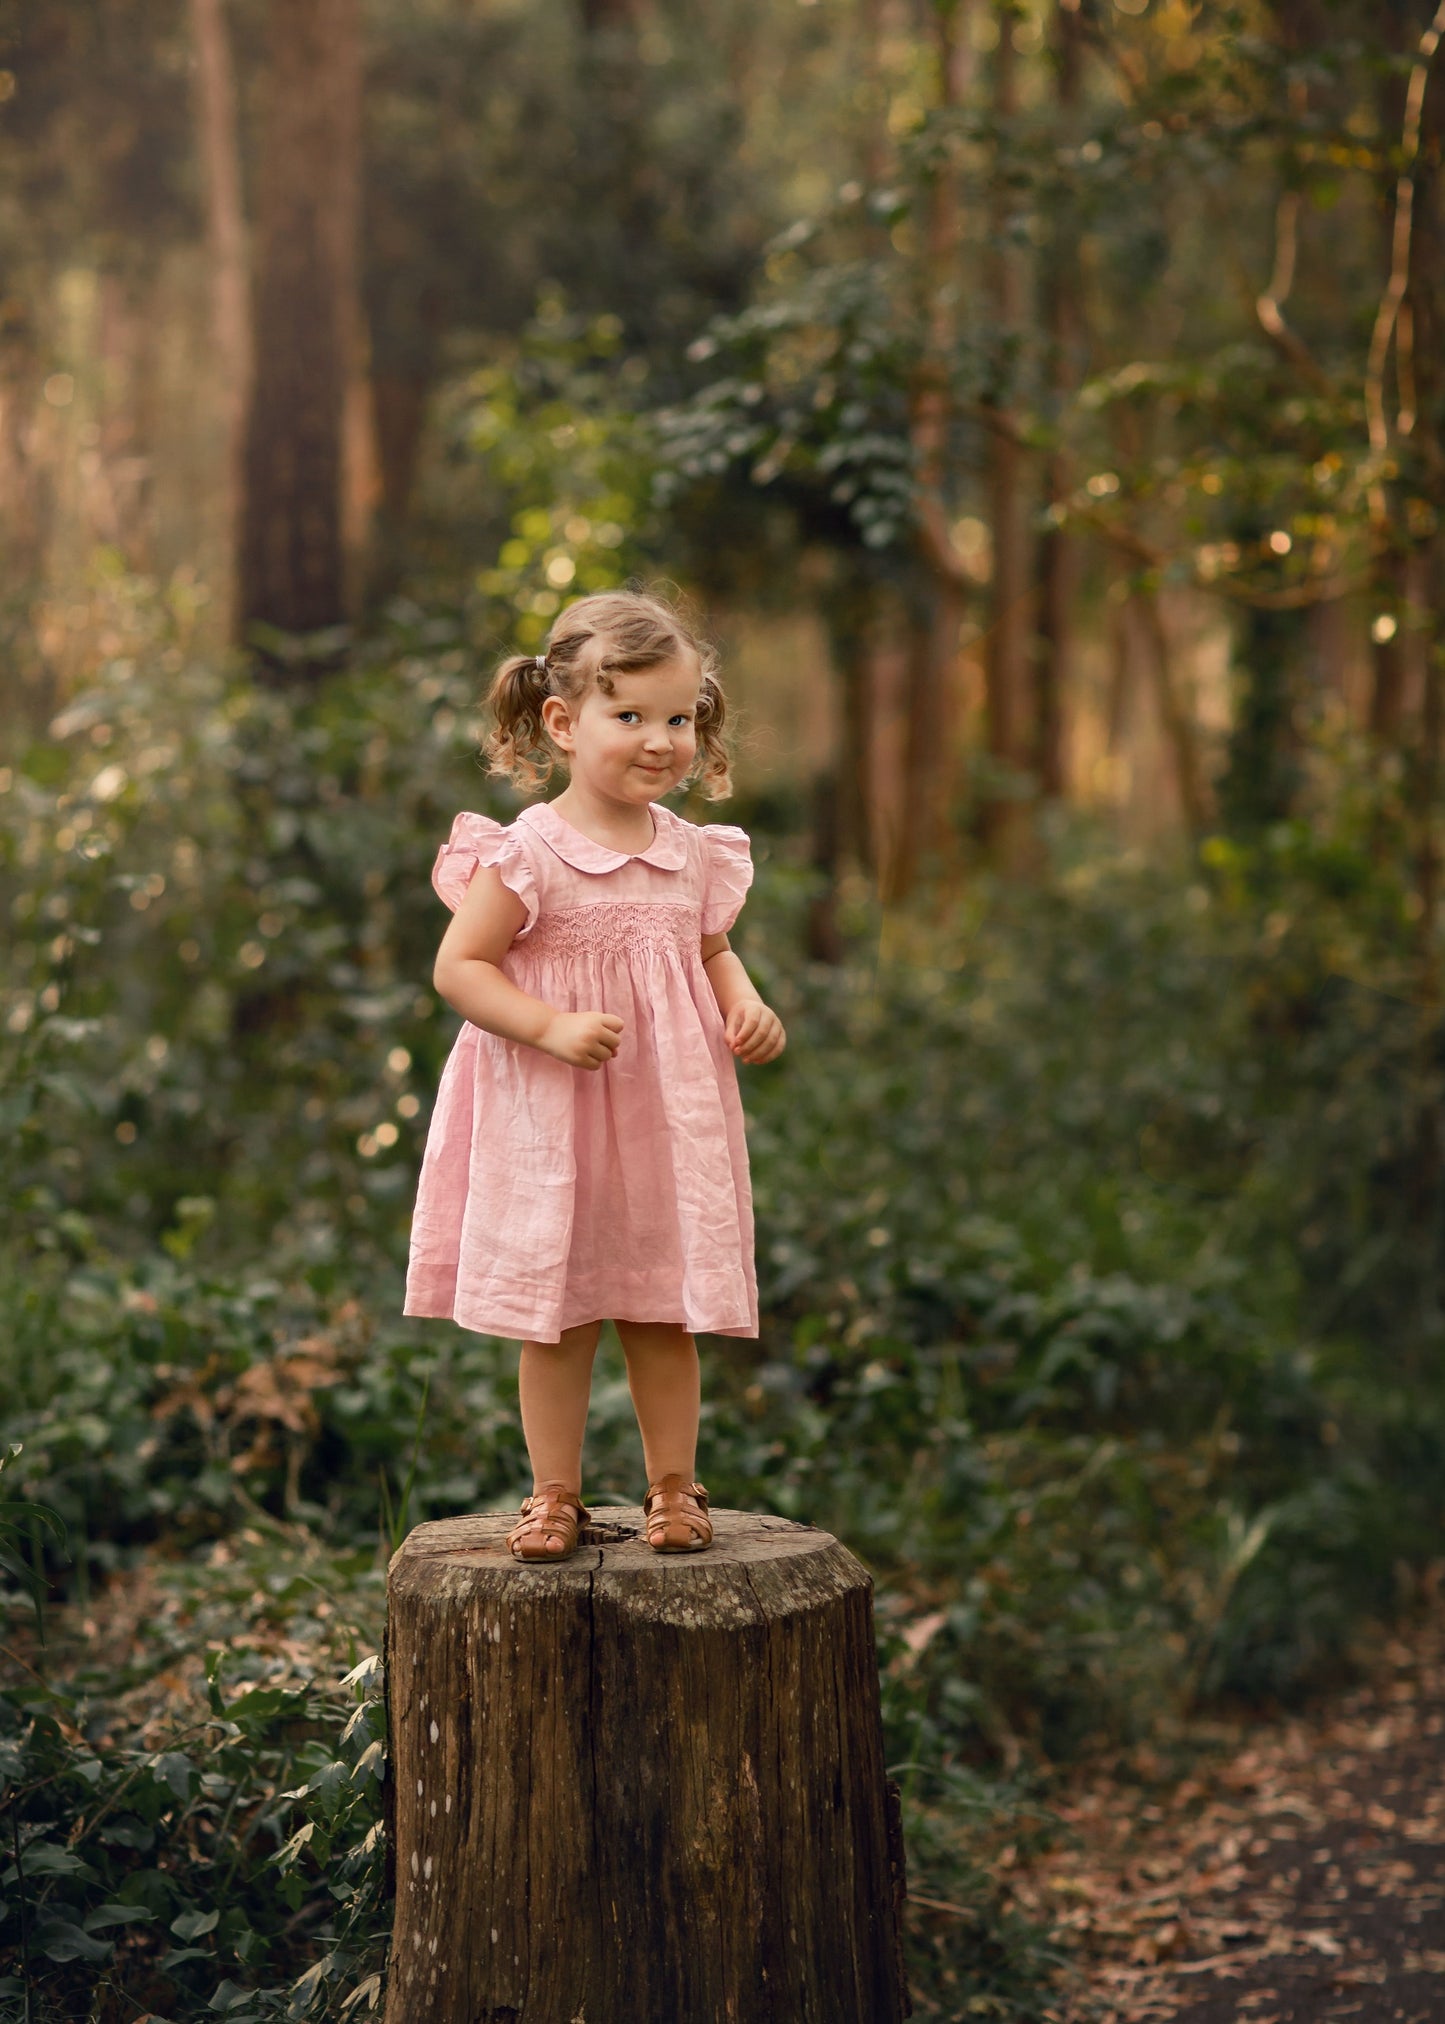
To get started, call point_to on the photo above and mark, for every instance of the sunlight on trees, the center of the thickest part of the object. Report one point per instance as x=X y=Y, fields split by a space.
x=1044 y=403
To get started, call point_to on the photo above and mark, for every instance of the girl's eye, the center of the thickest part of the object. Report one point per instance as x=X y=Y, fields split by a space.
x=626 y=716
x=681 y=718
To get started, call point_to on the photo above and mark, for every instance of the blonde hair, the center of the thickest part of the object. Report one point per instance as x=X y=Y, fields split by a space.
x=612 y=632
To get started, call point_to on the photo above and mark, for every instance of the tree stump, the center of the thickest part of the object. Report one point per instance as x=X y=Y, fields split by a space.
x=639 y=1789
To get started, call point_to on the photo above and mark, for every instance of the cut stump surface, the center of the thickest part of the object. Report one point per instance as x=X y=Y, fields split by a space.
x=639 y=1789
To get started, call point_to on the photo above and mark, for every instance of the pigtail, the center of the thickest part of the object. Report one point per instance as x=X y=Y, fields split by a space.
x=519 y=747
x=593 y=639
x=711 y=768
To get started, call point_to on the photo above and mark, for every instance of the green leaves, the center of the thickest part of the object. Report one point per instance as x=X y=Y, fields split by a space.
x=190 y=1896
x=43 y=1858
x=60 y=1941
x=812 y=398
x=191 y=1925
x=24 y=1526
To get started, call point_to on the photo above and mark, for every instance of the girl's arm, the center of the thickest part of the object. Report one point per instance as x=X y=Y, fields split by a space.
x=466 y=974
x=752 y=1029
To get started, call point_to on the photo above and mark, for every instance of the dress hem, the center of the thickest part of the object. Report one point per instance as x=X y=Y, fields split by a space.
x=511 y=1330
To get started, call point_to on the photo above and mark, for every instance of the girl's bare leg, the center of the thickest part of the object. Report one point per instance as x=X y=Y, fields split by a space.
x=666 y=1386
x=554 y=1383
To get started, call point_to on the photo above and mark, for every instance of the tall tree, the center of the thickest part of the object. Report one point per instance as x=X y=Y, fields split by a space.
x=1403 y=324
x=306 y=322
x=1420 y=428
x=1011 y=626
x=219 y=149
x=1063 y=340
x=936 y=611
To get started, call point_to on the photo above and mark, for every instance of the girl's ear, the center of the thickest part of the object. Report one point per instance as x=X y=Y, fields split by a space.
x=558 y=721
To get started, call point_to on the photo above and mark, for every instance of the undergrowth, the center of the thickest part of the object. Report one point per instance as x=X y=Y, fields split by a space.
x=1095 y=1255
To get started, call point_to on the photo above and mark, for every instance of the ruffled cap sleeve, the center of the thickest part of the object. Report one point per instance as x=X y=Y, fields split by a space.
x=729 y=874
x=478 y=839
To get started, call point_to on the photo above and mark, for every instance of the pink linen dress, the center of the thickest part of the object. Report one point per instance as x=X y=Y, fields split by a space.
x=552 y=1195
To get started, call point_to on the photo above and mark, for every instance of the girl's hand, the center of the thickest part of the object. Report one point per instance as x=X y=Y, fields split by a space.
x=754 y=1031
x=582 y=1039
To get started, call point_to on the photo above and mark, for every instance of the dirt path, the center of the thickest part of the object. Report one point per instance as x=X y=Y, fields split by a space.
x=1298 y=1876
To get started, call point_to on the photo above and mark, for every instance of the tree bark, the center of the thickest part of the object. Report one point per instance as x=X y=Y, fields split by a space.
x=935 y=618
x=399 y=401
x=25 y=497
x=876 y=150
x=1176 y=714
x=1422 y=417
x=851 y=619
x=1411 y=320
x=824 y=936
x=220 y=152
x=627 y=1788
x=600 y=15
x=1399 y=660
x=936 y=614
x=1006 y=662
x=307 y=320
x=1059 y=549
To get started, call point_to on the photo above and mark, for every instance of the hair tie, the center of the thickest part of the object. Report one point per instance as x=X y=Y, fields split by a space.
x=539 y=662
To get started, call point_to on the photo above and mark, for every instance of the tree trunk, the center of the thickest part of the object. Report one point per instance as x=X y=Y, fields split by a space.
x=1424 y=373
x=1059 y=550
x=634 y=1789
x=1059 y=574
x=1176 y=714
x=399 y=402
x=936 y=613
x=219 y=148
x=851 y=618
x=1006 y=662
x=936 y=616
x=25 y=498
x=1399 y=658
x=600 y=15
x=876 y=150
x=307 y=320
x=824 y=938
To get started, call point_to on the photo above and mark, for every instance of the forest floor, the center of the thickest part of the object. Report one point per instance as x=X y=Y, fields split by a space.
x=1256 y=1870
x=1292 y=1871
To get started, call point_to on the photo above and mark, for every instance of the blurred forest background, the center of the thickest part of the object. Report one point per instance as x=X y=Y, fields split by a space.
x=1044 y=400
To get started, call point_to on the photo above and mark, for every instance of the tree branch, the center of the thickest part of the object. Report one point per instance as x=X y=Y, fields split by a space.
x=1290 y=597
x=1387 y=316
x=1269 y=307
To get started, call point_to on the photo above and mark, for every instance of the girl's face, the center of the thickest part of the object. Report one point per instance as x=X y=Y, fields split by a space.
x=636 y=744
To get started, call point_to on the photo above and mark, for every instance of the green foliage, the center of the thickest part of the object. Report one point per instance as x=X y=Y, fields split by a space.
x=551 y=434
x=23 y=1526
x=806 y=394
x=223 y=1858
x=202 y=885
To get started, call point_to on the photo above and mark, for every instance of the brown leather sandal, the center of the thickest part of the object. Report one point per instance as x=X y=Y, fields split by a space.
x=547 y=1527
x=676 y=1514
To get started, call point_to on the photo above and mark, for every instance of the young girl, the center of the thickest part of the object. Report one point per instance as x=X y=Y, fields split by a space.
x=586 y=1159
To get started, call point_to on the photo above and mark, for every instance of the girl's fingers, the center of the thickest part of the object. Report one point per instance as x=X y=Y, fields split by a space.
x=754 y=1032
x=765 y=1043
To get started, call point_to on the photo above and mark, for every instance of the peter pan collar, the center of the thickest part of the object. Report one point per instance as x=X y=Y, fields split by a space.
x=667 y=851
